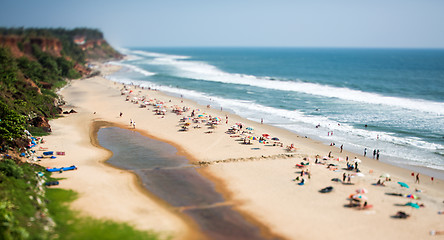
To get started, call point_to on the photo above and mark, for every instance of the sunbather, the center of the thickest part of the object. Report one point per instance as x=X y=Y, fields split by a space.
x=302 y=182
x=380 y=183
x=401 y=214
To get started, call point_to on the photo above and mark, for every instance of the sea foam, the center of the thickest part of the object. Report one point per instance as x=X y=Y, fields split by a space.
x=134 y=68
x=206 y=72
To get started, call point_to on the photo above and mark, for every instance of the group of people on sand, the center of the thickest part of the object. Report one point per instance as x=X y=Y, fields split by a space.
x=159 y=108
x=305 y=171
x=356 y=200
x=291 y=148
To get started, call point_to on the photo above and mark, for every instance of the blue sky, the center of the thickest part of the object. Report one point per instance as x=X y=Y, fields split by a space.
x=280 y=23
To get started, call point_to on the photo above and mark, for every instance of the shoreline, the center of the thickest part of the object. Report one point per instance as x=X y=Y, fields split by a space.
x=394 y=161
x=240 y=179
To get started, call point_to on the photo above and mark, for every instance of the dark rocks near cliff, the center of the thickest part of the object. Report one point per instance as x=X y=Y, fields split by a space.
x=69 y=112
x=41 y=122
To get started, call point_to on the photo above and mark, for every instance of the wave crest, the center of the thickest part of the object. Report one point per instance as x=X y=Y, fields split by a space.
x=206 y=72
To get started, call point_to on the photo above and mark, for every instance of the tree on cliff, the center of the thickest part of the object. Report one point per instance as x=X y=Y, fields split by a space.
x=12 y=125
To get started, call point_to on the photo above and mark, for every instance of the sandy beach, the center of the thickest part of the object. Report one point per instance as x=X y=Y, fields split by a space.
x=261 y=179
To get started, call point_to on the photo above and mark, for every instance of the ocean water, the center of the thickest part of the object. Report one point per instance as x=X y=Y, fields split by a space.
x=386 y=99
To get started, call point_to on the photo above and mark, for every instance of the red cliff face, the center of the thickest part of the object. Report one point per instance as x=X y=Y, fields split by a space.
x=50 y=45
x=20 y=47
x=11 y=42
x=92 y=44
x=97 y=49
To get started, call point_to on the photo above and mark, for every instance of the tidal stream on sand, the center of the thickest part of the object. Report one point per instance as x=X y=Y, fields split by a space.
x=171 y=178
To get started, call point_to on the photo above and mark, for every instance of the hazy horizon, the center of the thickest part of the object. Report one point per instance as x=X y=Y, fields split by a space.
x=281 y=23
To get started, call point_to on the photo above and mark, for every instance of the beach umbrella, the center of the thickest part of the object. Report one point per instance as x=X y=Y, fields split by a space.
x=412 y=196
x=385 y=175
x=361 y=190
x=403 y=184
x=266 y=135
x=250 y=128
x=275 y=139
x=413 y=205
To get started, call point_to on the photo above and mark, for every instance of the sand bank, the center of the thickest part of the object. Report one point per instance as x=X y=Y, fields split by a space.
x=259 y=178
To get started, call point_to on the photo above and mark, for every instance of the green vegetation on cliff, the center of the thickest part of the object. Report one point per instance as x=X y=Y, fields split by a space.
x=33 y=64
x=26 y=93
x=22 y=209
x=79 y=44
x=29 y=210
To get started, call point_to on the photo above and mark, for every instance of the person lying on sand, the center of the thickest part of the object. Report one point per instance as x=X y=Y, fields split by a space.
x=302 y=182
x=380 y=183
x=435 y=232
x=401 y=214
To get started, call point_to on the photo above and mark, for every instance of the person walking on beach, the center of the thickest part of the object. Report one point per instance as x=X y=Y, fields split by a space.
x=344 y=176
x=365 y=152
x=377 y=155
x=374 y=153
x=342 y=147
x=134 y=124
x=417 y=178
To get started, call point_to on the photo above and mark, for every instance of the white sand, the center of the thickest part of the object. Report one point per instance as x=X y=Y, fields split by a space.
x=262 y=187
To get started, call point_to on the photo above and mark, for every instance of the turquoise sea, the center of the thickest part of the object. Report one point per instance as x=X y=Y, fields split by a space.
x=386 y=99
